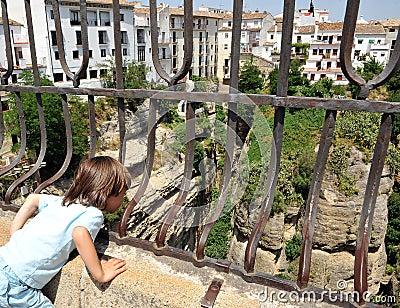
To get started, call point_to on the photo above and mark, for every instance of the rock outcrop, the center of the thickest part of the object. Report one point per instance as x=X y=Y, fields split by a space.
x=335 y=233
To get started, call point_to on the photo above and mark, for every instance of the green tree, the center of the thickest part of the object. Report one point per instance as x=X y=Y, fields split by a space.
x=251 y=79
x=134 y=77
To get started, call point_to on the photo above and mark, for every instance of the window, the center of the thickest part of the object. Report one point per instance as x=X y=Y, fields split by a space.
x=75 y=54
x=124 y=37
x=105 y=19
x=371 y=41
x=226 y=35
x=58 y=77
x=272 y=36
x=124 y=51
x=312 y=77
x=102 y=37
x=103 y=72
x=322 y=76
x=225 y=46
x=20 y=54
x=315 y=52
x=91 y=18
x=51 y=14
x=93 y=74
x=53 y=38
x=103 y=52
x=78 y=37
x=360 y=41
x=122 y=17
x=229 y=23
x=334 y=52
x=392 y=30
x=141 y=53
x=339 y=77
x=140 y=36
x=339 y=38
x=56 y=55
x=113 y=52
x=75 y=19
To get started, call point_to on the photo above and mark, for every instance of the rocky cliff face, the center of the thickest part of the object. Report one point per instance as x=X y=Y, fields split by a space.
x=335 y=233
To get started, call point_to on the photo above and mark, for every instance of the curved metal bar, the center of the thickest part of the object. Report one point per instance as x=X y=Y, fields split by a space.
x=60 y=44
x=92 y=126
x=279 y=117
x=391 y=67
x=154 y=42
x=231 y=131
x=119 y=78
x=7 y=38
x=68 y=131
x=188 y=42
x=346 y=46
x=22 y=126
x=151 y=145
x=313 y=197
x=187 y=175
x=368 y=208
x=36 y=80
x=42 y=152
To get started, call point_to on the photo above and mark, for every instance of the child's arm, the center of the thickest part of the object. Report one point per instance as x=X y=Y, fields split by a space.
x=26 y=211
x=103 y=271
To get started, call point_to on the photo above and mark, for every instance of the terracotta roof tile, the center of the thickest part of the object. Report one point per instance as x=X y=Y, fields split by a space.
x=330 y=26
x=306 y=29
x=11 y=22
x=369 y=29
x=254 y=15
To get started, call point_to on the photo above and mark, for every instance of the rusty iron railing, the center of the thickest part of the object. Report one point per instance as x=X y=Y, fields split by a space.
x=280 y=102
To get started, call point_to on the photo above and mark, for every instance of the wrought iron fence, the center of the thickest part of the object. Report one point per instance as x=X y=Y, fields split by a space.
x=280 y=102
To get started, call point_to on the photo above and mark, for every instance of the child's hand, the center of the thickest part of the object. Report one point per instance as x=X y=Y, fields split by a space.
x=112 y=268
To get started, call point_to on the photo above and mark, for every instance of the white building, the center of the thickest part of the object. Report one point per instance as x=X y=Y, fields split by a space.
x=19 y=46
x=100 y=34
x=323 y=60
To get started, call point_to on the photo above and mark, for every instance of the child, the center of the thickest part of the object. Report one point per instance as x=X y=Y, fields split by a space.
x=37 y=251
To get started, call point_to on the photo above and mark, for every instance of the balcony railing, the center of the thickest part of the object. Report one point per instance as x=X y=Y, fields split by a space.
x=281 y=102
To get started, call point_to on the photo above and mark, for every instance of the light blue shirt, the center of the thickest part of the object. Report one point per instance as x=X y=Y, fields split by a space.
x=38 y=251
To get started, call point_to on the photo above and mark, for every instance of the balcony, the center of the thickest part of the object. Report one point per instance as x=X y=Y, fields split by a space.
x=20 y=39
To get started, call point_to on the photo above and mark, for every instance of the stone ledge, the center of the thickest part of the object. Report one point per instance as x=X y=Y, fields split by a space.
x=150 y=281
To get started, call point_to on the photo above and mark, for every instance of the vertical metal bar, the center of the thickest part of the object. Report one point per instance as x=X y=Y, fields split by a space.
x=22 y=126
x=151 y=145
x=92 y=126
x=7 y=38
x=313 y=197
x=68 y=131
x=119 y=78
x=367 y=212
x=231 y=131
x=187 y=175
x=286 y=48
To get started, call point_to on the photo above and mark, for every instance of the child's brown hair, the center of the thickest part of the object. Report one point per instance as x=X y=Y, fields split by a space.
x=97 y=179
